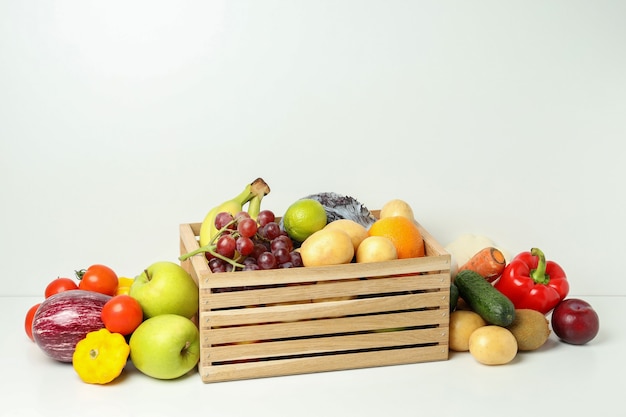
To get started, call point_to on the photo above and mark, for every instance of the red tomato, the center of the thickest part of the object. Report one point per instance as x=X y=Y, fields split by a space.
x=60 y=285
x=28 y=323
x=98 y=278
x=122 y=314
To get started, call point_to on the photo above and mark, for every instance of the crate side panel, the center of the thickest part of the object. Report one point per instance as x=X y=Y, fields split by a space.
x=431 y=246
x=196 y=266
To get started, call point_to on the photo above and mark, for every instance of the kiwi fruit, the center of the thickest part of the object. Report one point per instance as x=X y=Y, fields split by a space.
x=530 y=328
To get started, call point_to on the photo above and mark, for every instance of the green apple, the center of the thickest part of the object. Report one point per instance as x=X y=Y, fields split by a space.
x=165 y=288
x=165 y=346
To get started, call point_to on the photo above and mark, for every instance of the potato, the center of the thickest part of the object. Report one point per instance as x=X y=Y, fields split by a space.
x=462 y=325
x=493 y=345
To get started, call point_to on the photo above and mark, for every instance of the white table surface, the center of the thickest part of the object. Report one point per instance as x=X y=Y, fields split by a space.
x=558 y=379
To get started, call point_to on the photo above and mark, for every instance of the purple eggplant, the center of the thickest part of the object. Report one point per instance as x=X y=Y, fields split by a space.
x=64 y=319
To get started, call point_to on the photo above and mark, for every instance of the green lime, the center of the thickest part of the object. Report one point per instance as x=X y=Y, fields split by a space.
x=303 y=218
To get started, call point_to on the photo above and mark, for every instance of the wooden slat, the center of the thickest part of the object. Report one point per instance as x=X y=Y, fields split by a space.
x=323 y=310
x=321 y=290
x=321 y=364
x=320 y=345
x=196 y=266
x=323 y=326
x=326 y=273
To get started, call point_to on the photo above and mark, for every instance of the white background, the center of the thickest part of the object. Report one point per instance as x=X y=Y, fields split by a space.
x=121 y=120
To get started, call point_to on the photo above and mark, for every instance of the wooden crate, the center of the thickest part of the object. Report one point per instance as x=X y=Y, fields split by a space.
x=312 y=319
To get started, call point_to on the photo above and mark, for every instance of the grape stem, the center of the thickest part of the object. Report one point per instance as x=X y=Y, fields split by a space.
x=210 y=248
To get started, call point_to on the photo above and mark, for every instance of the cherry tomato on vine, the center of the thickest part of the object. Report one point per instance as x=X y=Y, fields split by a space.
x=59 y=285
x=122 y=314
x=98 y=278
x=28 y=322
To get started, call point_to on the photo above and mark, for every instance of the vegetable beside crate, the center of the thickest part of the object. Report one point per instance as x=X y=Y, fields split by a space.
x=257 y=324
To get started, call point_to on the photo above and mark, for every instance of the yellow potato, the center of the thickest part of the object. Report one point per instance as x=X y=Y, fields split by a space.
x=356 y=231
x=493 y=345
x=462 y=325
x=376 y=249
x=327 y=247
x=397 y=207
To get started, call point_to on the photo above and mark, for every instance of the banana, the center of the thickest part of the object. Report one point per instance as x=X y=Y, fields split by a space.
x=254 y=208
x=233 y=206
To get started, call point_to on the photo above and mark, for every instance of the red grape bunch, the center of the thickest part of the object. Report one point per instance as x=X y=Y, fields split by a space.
x=245 y=244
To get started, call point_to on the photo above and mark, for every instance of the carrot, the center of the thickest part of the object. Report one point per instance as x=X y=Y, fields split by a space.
x=488 y=262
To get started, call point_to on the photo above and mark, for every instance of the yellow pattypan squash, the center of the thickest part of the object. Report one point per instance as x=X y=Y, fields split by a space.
x=100 y=357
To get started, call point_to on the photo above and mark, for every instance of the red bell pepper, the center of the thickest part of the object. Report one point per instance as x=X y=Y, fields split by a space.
x=530 y=281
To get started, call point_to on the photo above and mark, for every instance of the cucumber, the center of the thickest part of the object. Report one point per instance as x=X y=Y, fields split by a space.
x=484 y=299
x=454 y=297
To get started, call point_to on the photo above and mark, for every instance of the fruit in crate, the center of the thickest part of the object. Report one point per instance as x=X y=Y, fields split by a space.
x=294 y=240
x=404 y=234
x=376 y=249
x=303 y=218
x=339 y=206
x=165 y=346
x=245 y=244
x=356 y=231
x=397 y=207
x=165 y=288
x=252 y=193
x=327 y=247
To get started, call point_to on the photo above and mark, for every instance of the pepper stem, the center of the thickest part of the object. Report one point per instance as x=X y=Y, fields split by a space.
x=539 y=274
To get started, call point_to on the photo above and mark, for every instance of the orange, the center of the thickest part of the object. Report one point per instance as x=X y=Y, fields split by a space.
x=404 y=234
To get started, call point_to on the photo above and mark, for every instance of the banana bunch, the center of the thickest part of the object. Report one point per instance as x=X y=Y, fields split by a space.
x=253 y=194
